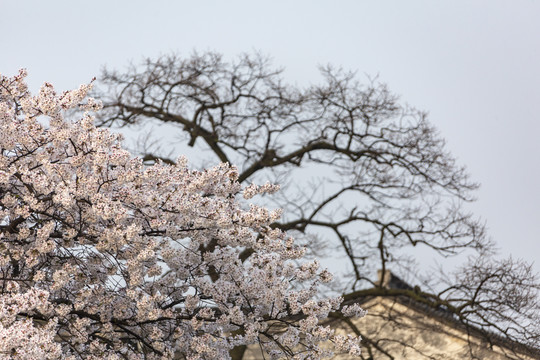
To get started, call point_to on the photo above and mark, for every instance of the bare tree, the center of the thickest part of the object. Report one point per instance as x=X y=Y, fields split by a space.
x=367 y=179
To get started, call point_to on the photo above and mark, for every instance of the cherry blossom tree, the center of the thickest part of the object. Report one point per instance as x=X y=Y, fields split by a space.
x=103 y=257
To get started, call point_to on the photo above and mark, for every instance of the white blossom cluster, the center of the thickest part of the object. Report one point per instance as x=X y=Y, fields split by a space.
x=102 y=257
x=18 y=329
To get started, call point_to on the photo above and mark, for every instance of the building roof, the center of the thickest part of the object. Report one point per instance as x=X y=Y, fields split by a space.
x=442 y=314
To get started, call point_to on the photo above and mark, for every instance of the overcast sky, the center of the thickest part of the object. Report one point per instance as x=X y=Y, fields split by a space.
x=473 y=65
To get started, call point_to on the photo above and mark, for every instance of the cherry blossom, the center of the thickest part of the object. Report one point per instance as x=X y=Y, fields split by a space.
x=103 y=257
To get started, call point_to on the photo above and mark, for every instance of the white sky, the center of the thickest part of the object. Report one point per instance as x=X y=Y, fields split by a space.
x=474 y=65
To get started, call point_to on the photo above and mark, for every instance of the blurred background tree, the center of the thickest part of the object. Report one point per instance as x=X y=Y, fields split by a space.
x=365 y=179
